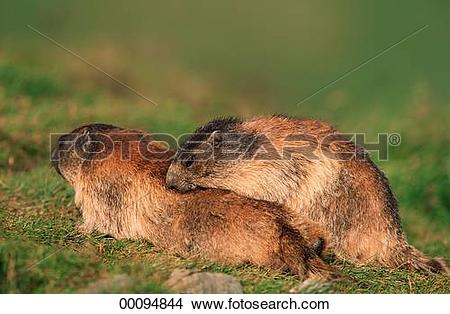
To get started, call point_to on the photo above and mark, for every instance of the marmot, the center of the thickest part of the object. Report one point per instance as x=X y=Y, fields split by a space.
x=119 y=180
x=314 y=171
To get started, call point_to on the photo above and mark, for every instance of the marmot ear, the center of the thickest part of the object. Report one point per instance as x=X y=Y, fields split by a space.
x=86 y=136
x=86 y=142
x=215 y=138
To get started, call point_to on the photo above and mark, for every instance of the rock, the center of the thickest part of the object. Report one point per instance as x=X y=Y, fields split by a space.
x=313 y=286
x=192 y=281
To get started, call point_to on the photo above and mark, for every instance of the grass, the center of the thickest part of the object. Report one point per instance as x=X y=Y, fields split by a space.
x=41 y=250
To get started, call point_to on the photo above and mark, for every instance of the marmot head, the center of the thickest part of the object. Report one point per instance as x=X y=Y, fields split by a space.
x=79 y=148
x=209 y=155
x=102 y=148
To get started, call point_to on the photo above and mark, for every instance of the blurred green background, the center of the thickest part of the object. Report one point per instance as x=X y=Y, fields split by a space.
x=201 y=59
x=243 y=56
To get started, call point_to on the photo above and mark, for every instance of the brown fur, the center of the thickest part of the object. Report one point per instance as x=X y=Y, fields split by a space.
x=346 y=194
x=124 y=195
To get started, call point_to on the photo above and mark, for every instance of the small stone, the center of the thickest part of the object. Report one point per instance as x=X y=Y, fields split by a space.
x=313 y=286
x=193 y=281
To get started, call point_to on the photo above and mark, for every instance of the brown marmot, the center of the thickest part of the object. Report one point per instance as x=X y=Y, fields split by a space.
x=119 y=180
x=313 y=170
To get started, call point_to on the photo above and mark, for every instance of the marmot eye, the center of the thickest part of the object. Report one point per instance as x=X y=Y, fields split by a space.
x=189 y=161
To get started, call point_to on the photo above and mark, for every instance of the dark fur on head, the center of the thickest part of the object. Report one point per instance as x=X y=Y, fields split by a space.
x=224 y=125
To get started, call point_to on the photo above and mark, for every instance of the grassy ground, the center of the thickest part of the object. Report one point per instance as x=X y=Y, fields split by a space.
x=41 y=251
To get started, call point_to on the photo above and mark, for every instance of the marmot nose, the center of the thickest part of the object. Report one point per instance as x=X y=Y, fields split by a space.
x=54 y=159
x=60 y=147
